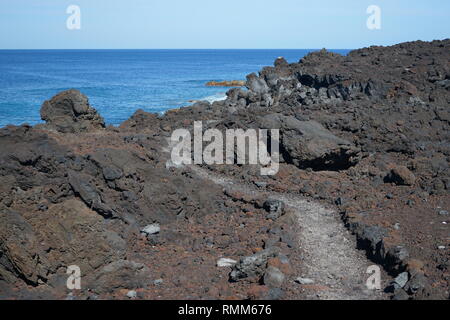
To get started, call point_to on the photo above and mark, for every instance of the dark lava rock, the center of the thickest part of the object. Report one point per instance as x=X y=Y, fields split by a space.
x=82 y=186
x=275 y=208
x=79 y=198
x=69 y=111
x=253 y=267
x=112 y=173
x=307 y=144
x=401 y=175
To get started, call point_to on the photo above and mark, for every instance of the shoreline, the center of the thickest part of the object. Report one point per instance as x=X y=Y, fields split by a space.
x=362 y=135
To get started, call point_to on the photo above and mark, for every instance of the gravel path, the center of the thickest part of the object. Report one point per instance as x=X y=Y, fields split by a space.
x=330 y=257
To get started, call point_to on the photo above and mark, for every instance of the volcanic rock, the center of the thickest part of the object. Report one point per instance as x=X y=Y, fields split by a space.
x=307 y=144
x=70 y=112
x=251 y=268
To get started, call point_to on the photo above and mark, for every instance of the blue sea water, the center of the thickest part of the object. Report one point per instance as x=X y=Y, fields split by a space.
x=118 y=82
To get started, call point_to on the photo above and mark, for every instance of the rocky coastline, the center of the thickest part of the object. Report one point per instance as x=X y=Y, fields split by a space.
x=364 y=138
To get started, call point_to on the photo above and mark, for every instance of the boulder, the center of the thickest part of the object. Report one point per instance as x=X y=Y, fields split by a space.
x=69 y=112
x=401 y=279
x=307 y=144
x=256 y=84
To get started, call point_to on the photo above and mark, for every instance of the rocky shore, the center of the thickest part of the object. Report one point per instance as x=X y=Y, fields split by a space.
x=364 y=143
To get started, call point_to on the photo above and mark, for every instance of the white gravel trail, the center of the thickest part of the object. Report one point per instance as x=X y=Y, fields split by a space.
x=329 y=254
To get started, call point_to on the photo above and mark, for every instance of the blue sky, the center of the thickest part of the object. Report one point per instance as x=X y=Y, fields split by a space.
x=255 y=24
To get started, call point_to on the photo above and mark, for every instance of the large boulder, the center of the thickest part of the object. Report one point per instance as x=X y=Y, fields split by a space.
x=307 y=144
x=69 y=112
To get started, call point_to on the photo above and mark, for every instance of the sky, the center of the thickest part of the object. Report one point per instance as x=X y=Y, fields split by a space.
x=219 y=24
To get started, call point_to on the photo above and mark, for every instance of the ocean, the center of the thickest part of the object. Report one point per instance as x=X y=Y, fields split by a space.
x=118 y=82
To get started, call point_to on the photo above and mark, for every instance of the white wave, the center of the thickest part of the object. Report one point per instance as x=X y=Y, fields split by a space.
x=216 y=97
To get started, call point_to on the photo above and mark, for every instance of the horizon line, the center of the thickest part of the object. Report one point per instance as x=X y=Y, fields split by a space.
x=4 y=49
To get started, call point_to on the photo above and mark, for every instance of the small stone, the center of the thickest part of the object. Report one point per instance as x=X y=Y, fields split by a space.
x=402 y=279
x=273 y=277
x=261 y=184
x=226 y=262
x=304 y=280
x=70 y=296
x=275 y=208
x=275 y=294
x=339 y=201
x=401 y=295
x=416 y=283
x=42 y=207
x=158 y=282
x=132 y=294
x=151 y=229
x=397 y=226
x=111 y=173
x=443 y=213
x=441 y=247
x=390 y=196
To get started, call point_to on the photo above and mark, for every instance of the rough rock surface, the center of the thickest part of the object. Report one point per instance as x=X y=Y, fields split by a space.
x=367 y=133
x=69 y=111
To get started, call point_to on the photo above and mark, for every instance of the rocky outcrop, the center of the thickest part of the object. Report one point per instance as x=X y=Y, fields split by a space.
x=307 y=144
x=70 y=112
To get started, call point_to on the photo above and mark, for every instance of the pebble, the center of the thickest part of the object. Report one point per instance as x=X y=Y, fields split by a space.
x=441 y=247
x=443 y=213
x=158 y=282
x=397 y=226
x=304 y=280
x=151 y=229
x=273 y=277
x=402 y=279
x=132 y=294
x=70 y=296
x=261 y=184
x=226 y=262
